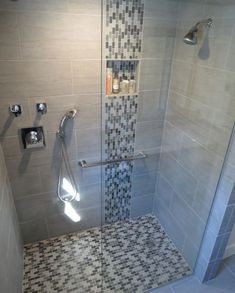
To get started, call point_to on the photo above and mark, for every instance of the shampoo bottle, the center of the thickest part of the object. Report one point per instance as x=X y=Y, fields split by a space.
x=109 y=81
x=116 y=85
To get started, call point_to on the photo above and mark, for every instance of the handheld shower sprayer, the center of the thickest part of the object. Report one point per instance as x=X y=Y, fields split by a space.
x=69 y=115
x=191 y=37
x=66 y=190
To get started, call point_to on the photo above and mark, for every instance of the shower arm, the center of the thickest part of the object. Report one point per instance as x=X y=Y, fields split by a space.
x=207 y=22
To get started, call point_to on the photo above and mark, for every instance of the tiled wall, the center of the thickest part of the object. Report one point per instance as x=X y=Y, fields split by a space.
x=124 y=23
x=199 y=119
x=156 y=57
x=221 y=220
x=123 y=37
x=148 y=35
x=120 y=123
x=50 y=51
x=11 y=252
x=53 y=55
x=230 y=248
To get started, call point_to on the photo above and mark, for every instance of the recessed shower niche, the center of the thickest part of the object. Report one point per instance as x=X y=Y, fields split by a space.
x=122 y=77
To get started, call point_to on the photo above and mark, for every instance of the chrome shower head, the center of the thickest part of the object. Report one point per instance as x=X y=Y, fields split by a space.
x=191 y=37
x=69 y=115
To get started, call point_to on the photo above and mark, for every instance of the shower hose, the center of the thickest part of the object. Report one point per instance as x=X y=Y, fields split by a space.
x=65 y=159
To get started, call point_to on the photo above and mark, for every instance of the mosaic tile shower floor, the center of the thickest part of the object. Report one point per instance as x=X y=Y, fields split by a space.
x=136 y=256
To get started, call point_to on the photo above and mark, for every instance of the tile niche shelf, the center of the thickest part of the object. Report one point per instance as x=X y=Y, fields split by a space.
x=125 y=68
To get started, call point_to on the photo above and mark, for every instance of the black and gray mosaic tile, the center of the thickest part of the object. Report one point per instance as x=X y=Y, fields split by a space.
x=125 y=257
x=120 y=122
x=124 y=25
x=124 y=68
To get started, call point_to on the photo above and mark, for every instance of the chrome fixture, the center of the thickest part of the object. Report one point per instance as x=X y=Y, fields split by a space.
x=33 y=137
x=69 y=115
x=66 y=188
x=139 y=156
x=15 y=109
x=191 y=37
x=41 y=108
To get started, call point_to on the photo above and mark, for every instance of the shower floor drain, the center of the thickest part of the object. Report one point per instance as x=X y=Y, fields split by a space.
x=131 y=256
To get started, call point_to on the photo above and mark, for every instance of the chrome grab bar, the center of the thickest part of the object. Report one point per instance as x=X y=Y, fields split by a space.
x=139 y=156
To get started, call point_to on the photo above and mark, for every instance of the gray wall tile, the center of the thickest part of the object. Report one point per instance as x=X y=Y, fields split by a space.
x=142 y=205
x=34 y=78
x=11 y=252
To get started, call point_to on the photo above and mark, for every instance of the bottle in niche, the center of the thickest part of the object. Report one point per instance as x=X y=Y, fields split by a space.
x=116 y=84
x=132 y=85
x=125 y=85
x=121 y=85
x=109 y=81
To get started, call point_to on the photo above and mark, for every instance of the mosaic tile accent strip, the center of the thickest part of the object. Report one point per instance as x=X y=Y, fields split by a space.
x=124 y=25
x=127 y=69
x=120 y=122
x=136 y=256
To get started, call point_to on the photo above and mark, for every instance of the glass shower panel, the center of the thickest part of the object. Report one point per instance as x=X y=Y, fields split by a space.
x=180 y=116
x=198 y=123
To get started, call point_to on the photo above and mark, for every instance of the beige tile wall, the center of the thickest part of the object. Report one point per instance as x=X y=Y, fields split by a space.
x=199 y=119
x=11 y=252
x=157 y=49
x=50 y=51
x=53 y=55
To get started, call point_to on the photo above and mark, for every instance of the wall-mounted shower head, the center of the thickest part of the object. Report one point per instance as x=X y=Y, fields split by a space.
x=69 y=115
x=191 y=37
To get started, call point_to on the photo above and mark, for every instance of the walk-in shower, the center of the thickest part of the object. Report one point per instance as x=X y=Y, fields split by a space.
x=114 y=142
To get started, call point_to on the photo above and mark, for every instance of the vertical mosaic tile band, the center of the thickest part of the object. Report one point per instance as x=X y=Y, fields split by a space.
x=123 y=40
x=124 y=25
x=120 y=121
x=126 y=68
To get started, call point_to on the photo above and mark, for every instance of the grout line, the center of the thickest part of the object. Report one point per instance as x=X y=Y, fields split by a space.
x=229 y=46
x=68 y=13
x=192 y=63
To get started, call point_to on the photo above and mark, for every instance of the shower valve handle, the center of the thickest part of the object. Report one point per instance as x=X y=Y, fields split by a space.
x=42 y=108
x=15 y=109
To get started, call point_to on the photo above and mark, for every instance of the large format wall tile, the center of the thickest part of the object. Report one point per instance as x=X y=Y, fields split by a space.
x=28 y=78
x=38 y=5
x=161 y=8
x=86 y=76
x=198 y=123
x=154 y=74
x=148 y=134
x=151 y=105
x=11 y=252
x=92 y=7
x=158 y=38
x=59 y=36
x=9 y=39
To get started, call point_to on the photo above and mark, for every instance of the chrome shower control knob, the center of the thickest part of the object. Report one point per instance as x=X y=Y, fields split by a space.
x=32 y=137
x=15 y=109
x=42 y=108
